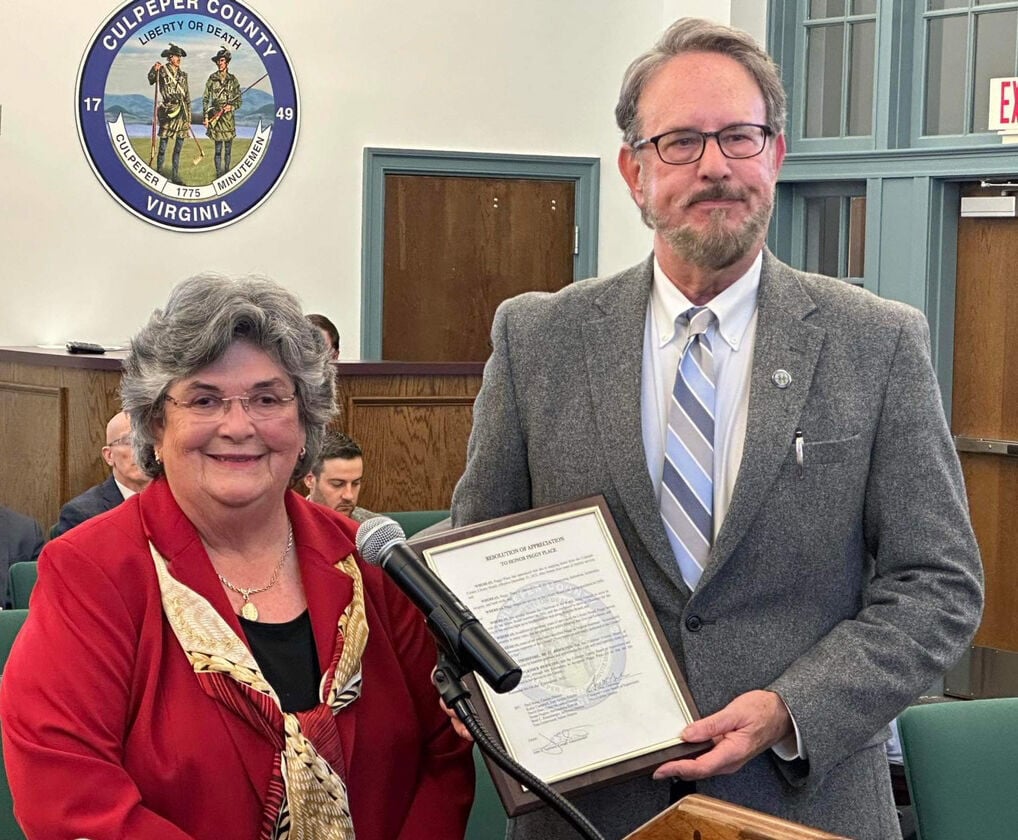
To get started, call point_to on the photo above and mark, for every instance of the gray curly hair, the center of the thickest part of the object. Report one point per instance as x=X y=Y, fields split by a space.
x=202 y=318
x=696 y=35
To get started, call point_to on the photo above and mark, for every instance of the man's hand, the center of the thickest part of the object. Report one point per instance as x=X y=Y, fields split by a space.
x=750 y=724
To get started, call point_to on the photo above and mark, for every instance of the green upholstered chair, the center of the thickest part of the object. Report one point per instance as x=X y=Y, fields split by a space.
x=412 y=521
x=10 y=624
x=961 y=763
x=487 y=818
x=22 y=579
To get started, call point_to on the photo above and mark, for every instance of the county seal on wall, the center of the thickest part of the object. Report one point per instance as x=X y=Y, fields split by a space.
x=187 y=110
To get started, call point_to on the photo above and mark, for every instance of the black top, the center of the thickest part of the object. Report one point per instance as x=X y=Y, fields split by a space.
x=288 y=659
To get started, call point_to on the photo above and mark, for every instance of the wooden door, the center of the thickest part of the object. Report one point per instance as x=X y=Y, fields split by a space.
x=456 y=247
x=985 y=405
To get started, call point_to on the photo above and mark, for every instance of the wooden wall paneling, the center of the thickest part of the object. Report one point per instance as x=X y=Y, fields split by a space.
x=985 y=405
x=412 y=420
x=413 y=428
x=992 y=482
x=414 y=449
x=33 y=440
x=90 y=398
x=985 y=382
x=95 y=399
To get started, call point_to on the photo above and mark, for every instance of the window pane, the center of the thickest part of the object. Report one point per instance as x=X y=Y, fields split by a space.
x=864 y=7
x=825 y=60
x=823 y=234
x=938 y=5
x=856 y=236
x=945 y=75
x=826 y=8
x=860 y=78
x=995 y=52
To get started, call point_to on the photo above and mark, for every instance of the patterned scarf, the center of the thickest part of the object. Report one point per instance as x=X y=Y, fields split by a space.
x=307 y=798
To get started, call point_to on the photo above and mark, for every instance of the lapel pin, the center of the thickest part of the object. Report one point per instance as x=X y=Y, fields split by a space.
x=782 y=378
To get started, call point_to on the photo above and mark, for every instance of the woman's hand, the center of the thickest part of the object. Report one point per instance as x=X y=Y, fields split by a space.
x=457 y=724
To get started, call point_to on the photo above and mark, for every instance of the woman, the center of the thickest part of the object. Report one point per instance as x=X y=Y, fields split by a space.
x=209 y=659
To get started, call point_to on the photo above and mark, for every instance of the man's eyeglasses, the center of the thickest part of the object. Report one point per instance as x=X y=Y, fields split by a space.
x=126 y=440
x=744 y=140
x=265 y=405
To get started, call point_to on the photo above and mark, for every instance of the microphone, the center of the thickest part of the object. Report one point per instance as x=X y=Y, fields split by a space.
x=381 y=542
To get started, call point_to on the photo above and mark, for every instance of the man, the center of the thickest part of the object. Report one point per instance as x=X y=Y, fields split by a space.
x=174 y=111
x=335 y=480
x=20 y=540
x=125 y=480
x=830 y=573
x=219 y=105
x=329 y=333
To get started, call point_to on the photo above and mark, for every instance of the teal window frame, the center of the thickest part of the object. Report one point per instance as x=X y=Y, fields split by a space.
x=843 y=190
x=968 y=138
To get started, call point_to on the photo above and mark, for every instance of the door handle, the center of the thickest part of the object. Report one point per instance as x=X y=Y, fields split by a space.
x=987 y=446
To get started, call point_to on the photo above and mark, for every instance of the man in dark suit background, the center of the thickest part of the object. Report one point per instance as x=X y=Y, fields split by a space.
x=20 y=540
x=839 y=575
x=125 y=480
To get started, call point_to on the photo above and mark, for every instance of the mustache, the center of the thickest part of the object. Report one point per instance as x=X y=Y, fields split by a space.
x=718 y=192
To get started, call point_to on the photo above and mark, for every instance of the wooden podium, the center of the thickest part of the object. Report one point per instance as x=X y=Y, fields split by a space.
x=698 y=817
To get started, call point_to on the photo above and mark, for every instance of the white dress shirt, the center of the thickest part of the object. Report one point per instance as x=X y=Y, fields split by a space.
x=125 y=491
x=732 y=338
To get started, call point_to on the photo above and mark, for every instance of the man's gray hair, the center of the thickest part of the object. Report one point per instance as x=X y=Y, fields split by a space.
x=202 y=318
x=696 y=35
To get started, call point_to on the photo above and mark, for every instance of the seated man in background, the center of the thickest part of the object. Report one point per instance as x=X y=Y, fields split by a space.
x=335 y=479
x=126 y=480
x=329 y=333
x=20 y=540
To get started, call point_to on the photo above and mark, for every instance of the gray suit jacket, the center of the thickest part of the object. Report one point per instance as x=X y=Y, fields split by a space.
x=95 y=500
x=848 y=589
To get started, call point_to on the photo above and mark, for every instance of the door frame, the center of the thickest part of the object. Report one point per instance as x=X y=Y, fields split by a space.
x=584 y=172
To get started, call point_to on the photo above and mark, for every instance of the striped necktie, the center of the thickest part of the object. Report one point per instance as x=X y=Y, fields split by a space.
x=687 y=491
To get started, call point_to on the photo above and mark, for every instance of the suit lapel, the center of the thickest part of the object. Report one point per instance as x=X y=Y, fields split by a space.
x=178 y=541
x=784 y=342
x=328 y=591
x=111 y=493
x=613 y=343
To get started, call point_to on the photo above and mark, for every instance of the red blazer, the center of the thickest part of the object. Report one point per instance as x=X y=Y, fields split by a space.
x=107 y=734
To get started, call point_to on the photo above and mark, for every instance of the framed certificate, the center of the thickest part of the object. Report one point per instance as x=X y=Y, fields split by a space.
x=602 y=697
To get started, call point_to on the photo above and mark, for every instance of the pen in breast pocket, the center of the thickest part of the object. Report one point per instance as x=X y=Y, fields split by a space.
x=799 y=451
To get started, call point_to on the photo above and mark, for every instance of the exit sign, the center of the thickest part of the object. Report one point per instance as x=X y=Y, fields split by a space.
x=1003 y=114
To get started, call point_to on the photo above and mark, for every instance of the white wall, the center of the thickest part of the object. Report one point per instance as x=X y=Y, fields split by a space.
x=531 y=76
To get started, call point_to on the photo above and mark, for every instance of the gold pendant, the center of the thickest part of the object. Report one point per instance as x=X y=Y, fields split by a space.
x=249 y=611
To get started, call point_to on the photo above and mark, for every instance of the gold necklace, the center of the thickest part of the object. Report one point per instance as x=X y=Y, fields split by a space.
x=249 y=610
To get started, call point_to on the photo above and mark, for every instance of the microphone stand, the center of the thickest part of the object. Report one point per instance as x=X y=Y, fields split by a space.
x=448 y=679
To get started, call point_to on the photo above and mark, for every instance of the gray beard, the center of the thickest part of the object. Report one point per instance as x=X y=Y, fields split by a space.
x=717 y=247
